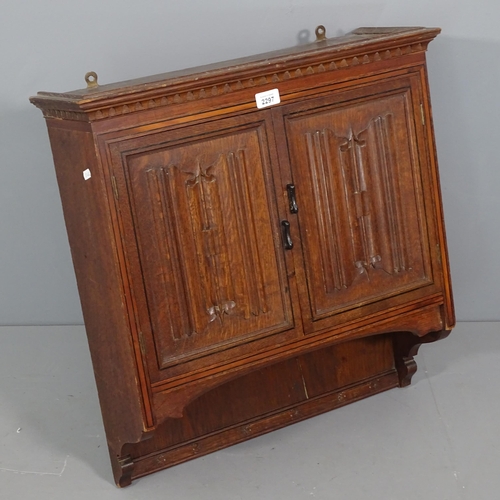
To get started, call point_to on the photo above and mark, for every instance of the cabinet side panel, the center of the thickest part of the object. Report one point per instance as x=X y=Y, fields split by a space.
x=431 y=144
x=88 y=224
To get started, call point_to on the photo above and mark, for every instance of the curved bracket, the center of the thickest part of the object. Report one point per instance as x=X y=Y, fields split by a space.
x=406 y=346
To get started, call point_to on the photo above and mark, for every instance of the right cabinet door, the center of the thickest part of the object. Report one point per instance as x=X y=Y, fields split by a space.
x=357 y=167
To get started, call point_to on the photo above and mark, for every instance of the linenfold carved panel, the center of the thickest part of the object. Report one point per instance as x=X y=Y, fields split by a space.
x=207 y=244
x=377 y=239
x=362 y=216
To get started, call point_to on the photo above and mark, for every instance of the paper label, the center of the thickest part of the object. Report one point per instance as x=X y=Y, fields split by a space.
x=86 y=174
x=267 y=98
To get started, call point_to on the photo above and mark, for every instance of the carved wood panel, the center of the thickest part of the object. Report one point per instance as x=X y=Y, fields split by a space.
x=208 y=244
x=356 y=174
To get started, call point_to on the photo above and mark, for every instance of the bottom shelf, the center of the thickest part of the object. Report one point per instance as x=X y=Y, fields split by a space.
x=263 y=401
x=229 y=436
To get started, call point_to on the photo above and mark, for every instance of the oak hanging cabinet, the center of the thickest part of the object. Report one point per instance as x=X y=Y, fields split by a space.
x=255 y=242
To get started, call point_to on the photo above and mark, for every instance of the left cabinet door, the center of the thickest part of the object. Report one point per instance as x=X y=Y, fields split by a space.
x=200 y=228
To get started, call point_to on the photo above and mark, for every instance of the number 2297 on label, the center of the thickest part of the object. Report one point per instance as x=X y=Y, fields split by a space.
x=267 y=98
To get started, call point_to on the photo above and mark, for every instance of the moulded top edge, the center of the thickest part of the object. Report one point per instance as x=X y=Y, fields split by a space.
x=358 y=41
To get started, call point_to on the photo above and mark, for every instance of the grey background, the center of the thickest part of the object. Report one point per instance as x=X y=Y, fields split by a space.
x=51 y=44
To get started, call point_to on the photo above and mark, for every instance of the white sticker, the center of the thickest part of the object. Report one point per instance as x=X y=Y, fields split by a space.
x=267 y=98
x=86 y=174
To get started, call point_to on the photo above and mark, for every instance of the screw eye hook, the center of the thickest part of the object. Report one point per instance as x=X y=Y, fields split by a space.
x=91 y=79
x=320 y=33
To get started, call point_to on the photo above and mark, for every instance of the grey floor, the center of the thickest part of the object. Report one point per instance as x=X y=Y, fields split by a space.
x=438 y=439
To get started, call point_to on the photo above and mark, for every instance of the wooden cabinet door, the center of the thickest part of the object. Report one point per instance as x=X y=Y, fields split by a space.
x=356 y=167
x=200 y=207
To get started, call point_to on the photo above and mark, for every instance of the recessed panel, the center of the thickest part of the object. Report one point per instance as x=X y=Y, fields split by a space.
x=354 y=166
x=207 y=243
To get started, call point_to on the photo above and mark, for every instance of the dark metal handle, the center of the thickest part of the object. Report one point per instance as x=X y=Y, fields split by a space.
x=287 y=239
x=291 y=198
